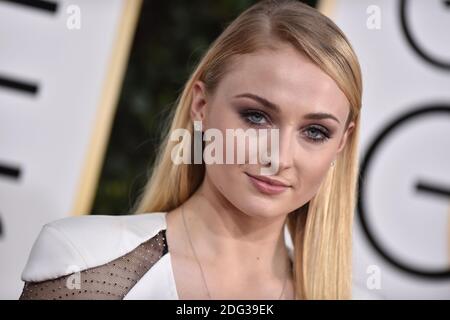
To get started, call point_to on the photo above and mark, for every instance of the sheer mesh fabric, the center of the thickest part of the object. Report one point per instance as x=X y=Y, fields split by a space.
x=111 y=281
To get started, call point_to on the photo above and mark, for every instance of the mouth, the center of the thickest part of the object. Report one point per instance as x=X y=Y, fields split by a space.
x=266 y=185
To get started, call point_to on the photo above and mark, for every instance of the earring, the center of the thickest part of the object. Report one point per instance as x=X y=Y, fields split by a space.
x=197 y=126
x=265 y=161
x=332 y=163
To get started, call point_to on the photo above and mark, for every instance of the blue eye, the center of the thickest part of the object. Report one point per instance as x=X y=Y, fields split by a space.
x=318 y=134
x=255 y=117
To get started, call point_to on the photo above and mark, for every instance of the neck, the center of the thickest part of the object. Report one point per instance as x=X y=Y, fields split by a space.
x=222 y=232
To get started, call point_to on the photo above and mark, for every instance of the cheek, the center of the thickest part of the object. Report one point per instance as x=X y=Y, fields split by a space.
x=222 y=122
x=228 y=182
x=311 y=173
x=223 y=177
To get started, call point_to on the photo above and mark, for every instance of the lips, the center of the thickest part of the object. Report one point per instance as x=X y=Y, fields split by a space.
x=267 y=185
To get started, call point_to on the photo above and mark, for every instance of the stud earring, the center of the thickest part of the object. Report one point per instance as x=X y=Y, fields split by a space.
x=198 y=126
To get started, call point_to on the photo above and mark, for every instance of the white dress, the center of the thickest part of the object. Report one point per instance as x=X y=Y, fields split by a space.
x=108 y=252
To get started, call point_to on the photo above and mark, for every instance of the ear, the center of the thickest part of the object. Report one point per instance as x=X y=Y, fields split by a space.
x=198 y=106
x=347 y=133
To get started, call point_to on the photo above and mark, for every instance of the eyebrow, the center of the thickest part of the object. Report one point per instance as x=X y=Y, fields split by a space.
x=272 y=106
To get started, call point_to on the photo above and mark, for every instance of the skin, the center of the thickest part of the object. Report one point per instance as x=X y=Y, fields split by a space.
x=237 y=231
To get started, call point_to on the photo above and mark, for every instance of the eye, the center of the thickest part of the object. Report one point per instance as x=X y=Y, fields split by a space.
x=255 y=117
x=317 y=134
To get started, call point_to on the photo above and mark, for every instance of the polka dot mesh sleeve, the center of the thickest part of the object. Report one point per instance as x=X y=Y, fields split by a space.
x=111 y=281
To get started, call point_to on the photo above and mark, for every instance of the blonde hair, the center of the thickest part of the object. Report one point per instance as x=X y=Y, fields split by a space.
x=321 y=229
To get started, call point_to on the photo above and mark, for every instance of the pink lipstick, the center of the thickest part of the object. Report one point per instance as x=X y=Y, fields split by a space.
x=268 y=186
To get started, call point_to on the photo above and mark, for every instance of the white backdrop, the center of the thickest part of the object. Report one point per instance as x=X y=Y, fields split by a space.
x=47 y=120
x=405 y=145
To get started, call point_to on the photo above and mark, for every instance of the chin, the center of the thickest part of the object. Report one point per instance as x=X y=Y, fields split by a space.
x=258 y=209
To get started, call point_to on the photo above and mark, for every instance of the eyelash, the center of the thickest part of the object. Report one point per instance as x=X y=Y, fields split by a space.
x=246 y=114
x=323 y=132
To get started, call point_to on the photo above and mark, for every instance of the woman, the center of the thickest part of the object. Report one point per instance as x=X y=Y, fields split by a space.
x=217 y=231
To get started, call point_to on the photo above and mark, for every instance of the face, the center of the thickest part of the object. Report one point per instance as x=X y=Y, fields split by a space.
x=275 y=90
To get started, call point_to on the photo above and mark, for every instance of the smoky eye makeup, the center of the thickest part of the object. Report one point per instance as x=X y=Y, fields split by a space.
x=254 y=117
x=317 y=133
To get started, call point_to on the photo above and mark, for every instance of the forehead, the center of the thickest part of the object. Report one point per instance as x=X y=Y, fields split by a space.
x=287 y=78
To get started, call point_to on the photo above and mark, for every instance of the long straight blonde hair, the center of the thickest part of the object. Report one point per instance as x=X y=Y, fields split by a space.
x=321 y=230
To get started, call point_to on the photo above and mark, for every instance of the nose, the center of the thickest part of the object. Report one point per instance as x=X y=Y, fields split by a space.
x=282 y=149
x=286 y=158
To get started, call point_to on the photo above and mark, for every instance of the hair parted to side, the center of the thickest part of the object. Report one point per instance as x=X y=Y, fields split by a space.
x=321 y=229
